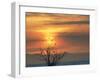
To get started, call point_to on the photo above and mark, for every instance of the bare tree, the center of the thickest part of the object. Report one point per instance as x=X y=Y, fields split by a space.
x=50 y=55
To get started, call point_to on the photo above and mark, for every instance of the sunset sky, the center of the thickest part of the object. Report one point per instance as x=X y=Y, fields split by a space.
x=66 y=32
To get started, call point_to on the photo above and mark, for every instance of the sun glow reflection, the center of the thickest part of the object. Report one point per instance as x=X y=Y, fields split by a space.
x=50 y=40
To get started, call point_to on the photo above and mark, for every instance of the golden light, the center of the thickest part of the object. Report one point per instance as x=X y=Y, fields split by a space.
x=51 y=30
x=49 y=37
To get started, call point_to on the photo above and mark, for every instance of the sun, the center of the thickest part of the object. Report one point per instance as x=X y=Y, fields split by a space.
x=50 y=40
x=48 y=36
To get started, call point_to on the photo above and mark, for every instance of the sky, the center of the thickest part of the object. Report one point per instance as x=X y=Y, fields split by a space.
x=65 y=32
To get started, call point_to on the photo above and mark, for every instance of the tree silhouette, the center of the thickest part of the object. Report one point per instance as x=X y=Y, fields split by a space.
x=50 y=55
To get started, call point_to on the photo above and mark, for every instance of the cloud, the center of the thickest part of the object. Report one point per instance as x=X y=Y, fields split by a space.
x=67 y=22
x=73 y=36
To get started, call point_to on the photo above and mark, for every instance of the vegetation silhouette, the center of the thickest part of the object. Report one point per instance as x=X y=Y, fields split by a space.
x=51 y=56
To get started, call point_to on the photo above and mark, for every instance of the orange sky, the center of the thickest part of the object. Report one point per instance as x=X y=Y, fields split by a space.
x=69 y=32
